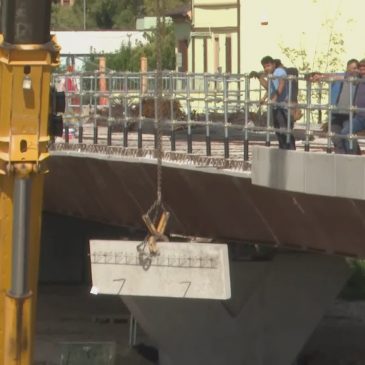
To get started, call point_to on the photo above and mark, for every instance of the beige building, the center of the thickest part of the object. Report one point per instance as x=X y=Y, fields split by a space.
x=233 y=35
x=215 y=36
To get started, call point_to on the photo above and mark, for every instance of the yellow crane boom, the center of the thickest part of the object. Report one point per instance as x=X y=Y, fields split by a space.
x=27 y=55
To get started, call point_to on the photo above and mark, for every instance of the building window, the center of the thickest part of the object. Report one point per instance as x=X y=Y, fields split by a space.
x=228 y=54
x=183 y=50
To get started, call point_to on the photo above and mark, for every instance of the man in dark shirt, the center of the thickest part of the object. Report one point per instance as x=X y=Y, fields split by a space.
x=279 y=94
x=340 y=96
x=358 y=121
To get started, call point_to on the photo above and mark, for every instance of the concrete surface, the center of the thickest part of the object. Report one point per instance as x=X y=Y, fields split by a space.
x=340 y=337
x=178 y=270
x=275 y=306
x=315 y=173
x=67 y=313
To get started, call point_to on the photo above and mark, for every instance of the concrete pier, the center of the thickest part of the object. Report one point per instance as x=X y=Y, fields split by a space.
x=275 y=306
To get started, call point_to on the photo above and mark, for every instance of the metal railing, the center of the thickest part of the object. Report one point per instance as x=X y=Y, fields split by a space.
x=218 y=115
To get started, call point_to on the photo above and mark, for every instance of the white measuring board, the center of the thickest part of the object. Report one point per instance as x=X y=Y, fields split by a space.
x=180 y=270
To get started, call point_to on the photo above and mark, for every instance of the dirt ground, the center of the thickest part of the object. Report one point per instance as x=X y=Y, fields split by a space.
x=70 y=313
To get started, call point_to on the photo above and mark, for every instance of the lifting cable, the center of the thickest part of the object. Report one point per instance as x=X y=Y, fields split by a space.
x=157 y=225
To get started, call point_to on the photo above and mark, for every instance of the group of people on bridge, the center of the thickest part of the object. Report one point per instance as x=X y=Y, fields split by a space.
x=347 y=96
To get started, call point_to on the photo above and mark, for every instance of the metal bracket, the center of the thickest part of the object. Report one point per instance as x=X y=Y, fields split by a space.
x=156 y=234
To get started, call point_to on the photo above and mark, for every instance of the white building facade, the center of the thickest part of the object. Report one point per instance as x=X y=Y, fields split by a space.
x=233 y=35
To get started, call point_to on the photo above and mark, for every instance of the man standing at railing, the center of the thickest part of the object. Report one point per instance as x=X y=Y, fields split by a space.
x=278 y=93
x=358 y=121
x=340 y=98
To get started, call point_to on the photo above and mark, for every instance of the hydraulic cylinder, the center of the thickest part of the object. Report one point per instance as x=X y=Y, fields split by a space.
x=27 y=55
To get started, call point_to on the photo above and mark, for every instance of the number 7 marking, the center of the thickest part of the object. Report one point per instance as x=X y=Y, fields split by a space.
x=187 y=288
x=121 y=286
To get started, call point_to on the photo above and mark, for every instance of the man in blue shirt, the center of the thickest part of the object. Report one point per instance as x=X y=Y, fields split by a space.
x=358 y=120
x=278 y=94
x=340 y=97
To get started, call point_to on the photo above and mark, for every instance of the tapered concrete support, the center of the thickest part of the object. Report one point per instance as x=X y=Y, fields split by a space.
x=275 y=306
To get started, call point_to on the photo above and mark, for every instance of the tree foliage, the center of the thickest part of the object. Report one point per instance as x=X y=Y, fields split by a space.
x=106 y=14
x=355 y=287
x=128 y=58
x=66 y=18
x=149 y=6
x=328 y=60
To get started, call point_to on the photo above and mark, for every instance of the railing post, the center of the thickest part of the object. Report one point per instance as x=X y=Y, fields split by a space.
x=94 y=99
x=289 y=108
x=188 y=107
x=157 y=115
x=308 y=116
x=143 y=88
x=67 y=131
x=320 y=102
x=172 y=113
x=68 y=95
x=351 y=115
x=81 y=92
x=225 y=110
x=269 y=111
x=247 y=111
x=126 y=116
x=110 y=124
x=206 y=112
x=329 y=127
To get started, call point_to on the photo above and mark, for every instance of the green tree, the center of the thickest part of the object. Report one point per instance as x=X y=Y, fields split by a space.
x=127 y=58
x=66 y=18
x=328 y=60
x=107 y=14
x=355 y=287
x=167 y=48
x=100 y=14
x=113 y=14
x=149 y=6
x=103 y=13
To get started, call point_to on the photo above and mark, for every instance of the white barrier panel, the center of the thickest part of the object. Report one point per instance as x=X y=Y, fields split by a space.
x=180 y=270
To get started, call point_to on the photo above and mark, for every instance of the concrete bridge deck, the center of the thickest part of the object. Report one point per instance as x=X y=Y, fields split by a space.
x=217 y=198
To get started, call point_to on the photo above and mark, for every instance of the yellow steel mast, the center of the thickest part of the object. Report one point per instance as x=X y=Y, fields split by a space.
x=27 y=54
